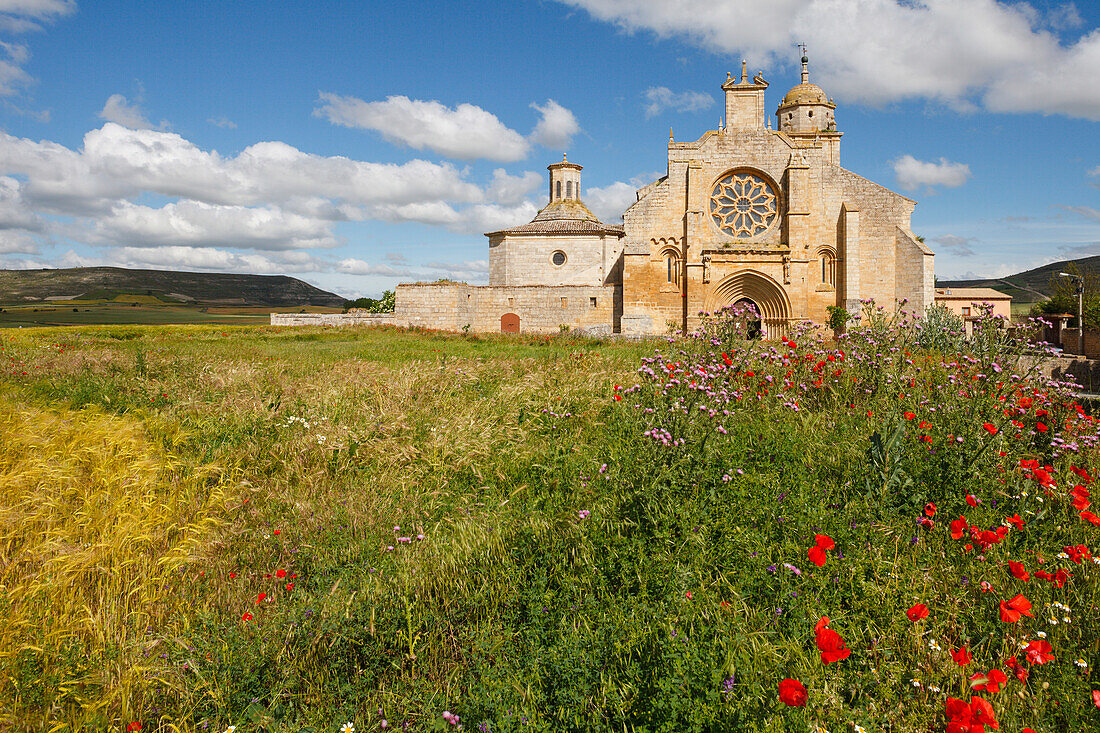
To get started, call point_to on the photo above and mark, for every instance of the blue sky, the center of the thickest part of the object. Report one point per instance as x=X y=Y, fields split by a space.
x=359 y=144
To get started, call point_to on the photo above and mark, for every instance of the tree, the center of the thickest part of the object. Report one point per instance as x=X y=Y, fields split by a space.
x=385 y=304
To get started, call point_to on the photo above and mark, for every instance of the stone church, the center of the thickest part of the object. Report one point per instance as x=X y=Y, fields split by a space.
x=747 y=213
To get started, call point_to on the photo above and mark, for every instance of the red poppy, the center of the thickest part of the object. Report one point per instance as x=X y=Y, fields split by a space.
x=280 y=573
x=1096 y=698
x=924 y=425
x=982 y=712
x=133 y=726
x=1039 y=651
x=246 y=616
x=1076 y=552
x=829 y=643
x=261 y=597
x=1012 y=609
x=1041 y=427
x=917 y=612
x=1016 y=520
x=277 y=531
x=961 y=656
x=792 y=693
x=990 y=428
x=959 y=527
x=972 y=500
x=822 y=542
x=991 y=681
x=1090 y=517
x=930 y=509
x=232 y=576
x=1018 y=571
x=1059 y=579
x=726 y=358
x=909 y=416
x=290 y=586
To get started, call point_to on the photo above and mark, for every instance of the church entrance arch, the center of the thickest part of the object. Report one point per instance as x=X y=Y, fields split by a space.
x=755 y=327
x=509 y=323
x=762 y=292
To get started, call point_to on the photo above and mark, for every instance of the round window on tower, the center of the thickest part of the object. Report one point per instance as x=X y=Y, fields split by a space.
x=558 y=258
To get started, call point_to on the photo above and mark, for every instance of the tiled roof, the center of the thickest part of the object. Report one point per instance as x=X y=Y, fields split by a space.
x=563 y=217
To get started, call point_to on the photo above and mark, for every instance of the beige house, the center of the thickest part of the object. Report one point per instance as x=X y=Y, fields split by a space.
x=964 y=302
x=746 y=213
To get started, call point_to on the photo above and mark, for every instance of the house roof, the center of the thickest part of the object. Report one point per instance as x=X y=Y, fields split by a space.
x=563 y=217
x=974 y=294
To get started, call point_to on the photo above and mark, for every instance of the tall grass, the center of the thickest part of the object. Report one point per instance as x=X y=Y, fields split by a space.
x=96 y=520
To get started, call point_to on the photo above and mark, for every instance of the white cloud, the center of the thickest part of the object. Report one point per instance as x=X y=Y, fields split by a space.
x=1095 y=171
x=658 y=99
x=1086 y=211
x=611 y=201
x=466 y=132
x=270 y=197
x=199 y=224
x=19 y=16
x=956 y=245
x=912 y=173
x=506 y=189
x=123 y=112
x=1007 y=57
x=223 y=122
x=556 y=128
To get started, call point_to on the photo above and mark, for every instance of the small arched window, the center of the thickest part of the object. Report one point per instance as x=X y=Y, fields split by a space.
x=568 y=189
x=828 y=269
x=557 y=191
x=672 y=266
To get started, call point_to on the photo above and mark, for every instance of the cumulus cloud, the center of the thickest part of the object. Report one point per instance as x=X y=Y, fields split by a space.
x=609 y=202
x=506 y=189
x=556 y=128
x=466 y=132
x=956 y=245
x=270 y=198
x=123 y=112
x=658 y=99
x=912 y=173
x=19 y=16
x=1004 y=56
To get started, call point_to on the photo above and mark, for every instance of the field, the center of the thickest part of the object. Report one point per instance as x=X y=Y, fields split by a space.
x=138 y=310
x=298 y=529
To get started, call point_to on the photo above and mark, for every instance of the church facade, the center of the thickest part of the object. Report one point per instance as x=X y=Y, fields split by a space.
x=748 y=213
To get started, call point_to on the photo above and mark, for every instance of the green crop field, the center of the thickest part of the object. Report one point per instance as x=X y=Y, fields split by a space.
x=73 y=313
x=206 y=526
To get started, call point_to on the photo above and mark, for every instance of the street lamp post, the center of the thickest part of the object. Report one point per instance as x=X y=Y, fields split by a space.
x=1079 y=287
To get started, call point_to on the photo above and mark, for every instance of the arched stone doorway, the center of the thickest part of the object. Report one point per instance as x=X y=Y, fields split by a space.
x=509 y=323
x=755 y=327
x=764 y=293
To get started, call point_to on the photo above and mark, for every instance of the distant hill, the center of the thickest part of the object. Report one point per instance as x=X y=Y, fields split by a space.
x=90 y=283
x=1031 y=286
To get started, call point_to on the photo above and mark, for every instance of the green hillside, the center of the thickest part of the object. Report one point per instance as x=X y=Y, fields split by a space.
x=1030 y=286
x=159 y=287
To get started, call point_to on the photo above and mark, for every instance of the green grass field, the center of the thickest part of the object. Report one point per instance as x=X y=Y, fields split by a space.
x=130 y=310
x=204 y=526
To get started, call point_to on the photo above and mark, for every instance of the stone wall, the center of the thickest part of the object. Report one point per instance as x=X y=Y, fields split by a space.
x=541 y=309
x=590 y=260
x=332 y=319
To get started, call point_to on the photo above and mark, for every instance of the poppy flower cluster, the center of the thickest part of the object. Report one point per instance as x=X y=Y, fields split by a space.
x=972 y=717
x=829 y=642
x=817 y=553
x=917 y=612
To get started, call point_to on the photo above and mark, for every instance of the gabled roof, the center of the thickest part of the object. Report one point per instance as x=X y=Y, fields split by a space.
x=563 y=217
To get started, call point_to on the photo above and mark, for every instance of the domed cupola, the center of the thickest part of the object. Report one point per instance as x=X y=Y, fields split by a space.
x=806 y=109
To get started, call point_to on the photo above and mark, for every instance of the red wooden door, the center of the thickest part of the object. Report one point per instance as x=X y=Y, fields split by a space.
x=509 y=323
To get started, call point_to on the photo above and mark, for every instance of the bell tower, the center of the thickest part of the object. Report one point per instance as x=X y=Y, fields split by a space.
x=565 y=181
x=745 y=101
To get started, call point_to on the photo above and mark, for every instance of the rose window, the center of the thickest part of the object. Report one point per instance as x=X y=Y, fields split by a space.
x=743 y=205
